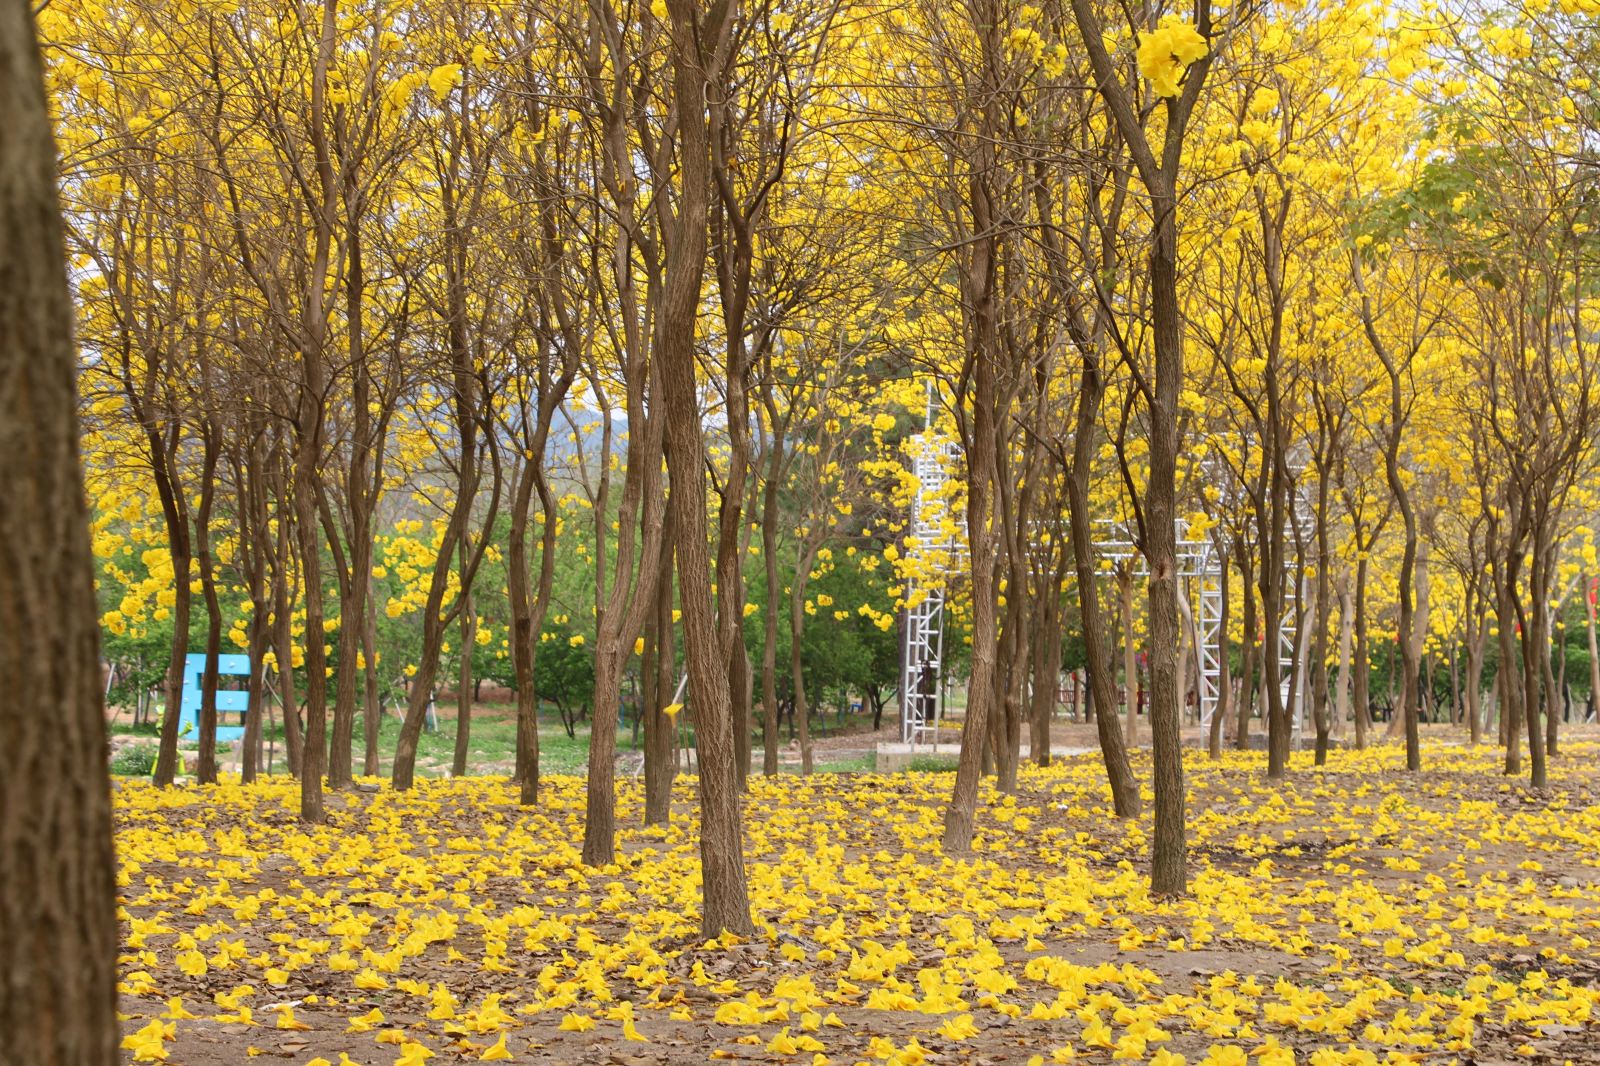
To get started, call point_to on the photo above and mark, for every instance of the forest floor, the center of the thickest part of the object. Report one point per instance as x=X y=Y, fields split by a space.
x=1353 y=913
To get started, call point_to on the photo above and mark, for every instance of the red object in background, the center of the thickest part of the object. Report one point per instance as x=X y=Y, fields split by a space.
x=1594 y=587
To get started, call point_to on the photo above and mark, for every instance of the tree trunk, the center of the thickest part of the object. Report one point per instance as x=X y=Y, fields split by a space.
x=58 y=924
x=167 y=761
x=659 y=768
x=1472 y=683
x=314 y=753
x=1361 y=665
x=1130 y=656
x=1319 y=638
x=206 y=763
x=961 y=814
x=1589 y=590
x=1046 y=667
x=1101 y=675
x=797 y=676
x=255 y=553
x=469 y=633
x=769 y=649
x=372 y=720
x=1254 y=645
x=1509 y=672
x=283 y=647
x=725 y=891
x=1168 y=845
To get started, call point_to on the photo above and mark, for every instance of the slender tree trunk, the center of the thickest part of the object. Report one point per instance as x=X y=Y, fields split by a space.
x=1130 y=651
x=1101 y=678
x=1319 y=636
x=1555 y=684
x=1588 y=592
x=659 y=767
x=1009 y=749
x=961 y=814
x=797 y=675
x=1509 y=671
x=1255 y=644
x=724 y=888
x=1341 y=710
x=167 y=762
x=58 y=924
x=1168 y=845
x=254 y=549
x=372 y=722
x=469 y=632
x=250 y=752
x=1361 y=666
x=1472 y=683
x=206 y=762
x=769 y=618
x=1046 y=660
x=315 y=751
x=283 y=647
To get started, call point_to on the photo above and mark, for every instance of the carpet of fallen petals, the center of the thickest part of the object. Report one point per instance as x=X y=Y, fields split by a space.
x=1353 y=914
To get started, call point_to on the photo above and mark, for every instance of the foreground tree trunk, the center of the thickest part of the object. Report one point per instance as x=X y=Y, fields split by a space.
x=1168 y=848
x=698 y=44
x=58 y=927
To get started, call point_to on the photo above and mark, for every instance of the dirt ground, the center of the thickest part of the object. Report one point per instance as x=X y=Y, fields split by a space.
x=1351 y=913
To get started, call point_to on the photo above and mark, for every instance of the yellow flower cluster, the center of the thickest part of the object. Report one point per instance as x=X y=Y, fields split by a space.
x=448 y=922
x=1166 y=52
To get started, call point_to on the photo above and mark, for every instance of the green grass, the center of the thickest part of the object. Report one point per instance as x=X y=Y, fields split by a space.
x=491 y=748
x=128 y=729
x=933 y=764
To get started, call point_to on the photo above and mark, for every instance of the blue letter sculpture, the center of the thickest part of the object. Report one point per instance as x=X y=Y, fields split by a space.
x=194 y=673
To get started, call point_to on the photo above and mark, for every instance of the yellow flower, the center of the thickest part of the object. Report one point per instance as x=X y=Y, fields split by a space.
x=442 y=79
x=1165 y=53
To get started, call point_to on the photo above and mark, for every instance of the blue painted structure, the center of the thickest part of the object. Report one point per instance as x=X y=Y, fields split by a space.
x=236 y=703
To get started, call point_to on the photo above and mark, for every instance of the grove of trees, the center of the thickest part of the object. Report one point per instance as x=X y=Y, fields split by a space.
x=579 y=348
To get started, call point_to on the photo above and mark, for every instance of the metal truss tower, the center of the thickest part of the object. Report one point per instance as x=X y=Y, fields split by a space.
x=933 y=547
x=1201 y=559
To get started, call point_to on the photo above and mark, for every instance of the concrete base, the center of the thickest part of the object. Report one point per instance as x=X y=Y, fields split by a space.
x=894 y=757
x=1306 y=742
x=898 y=756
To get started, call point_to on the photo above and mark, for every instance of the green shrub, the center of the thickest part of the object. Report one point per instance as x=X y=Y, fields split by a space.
x=136 y=760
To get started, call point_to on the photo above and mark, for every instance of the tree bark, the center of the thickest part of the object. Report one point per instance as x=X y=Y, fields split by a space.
x=1361 y=665
x=58 y=925
x=1097 y=649
x=1341 y=699
x=1130 y=653
x=660 y=670
x=1254 y=645
x=697 y=43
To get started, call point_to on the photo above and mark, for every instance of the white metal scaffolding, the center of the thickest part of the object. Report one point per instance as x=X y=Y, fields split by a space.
x=1199 y=564
x=933 y=543
x=1201 y=560
x=1208 y=617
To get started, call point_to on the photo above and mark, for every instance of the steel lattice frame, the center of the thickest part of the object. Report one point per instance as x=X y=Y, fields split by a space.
x=922 y=658
x=1201 y=559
